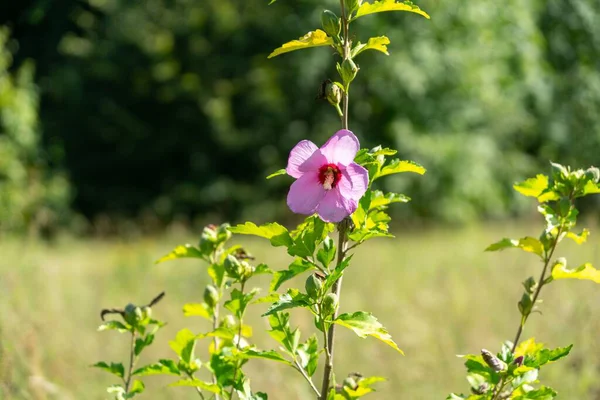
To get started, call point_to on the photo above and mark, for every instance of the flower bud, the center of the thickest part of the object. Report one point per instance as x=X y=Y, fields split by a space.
x=530 y=285
x=313 y=286
x=330 y=304
x=348 y=70
x=593 y=174
x=146 y=313
x=223 y=233
x=246 y=271
x=233 y=267
x=525 y=305
x=208 y=239
x=331 y=23
x=333 y=94
x=211 y=296
x=493 y=362
x=130 y=314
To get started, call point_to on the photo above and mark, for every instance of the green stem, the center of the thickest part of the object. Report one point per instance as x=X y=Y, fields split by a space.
x=239 y=339
x=132 y=360
x=330 y=334
x=198 y=390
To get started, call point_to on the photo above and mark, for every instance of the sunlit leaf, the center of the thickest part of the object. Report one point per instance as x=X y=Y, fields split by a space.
x=591 y=188
x=388 y=5
x=529 y=244
x=267 y=355
x=296 y=268
x=397 y=166
x=197 y=310
x=136 y=388
x=532 y=187
x=379 y=199
x=184 y=251
x=162 y=367
x=114 y=368
x=209 y=387
x=529 y=346
x=276 y=233
x=578 y=238
x=585 y=271
x=365 y=324
x=311 y=39
x=292 y=299
x=184 y=344
x=376 y=43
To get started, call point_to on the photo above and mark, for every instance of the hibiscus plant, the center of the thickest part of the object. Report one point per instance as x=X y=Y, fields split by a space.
x=334 y=187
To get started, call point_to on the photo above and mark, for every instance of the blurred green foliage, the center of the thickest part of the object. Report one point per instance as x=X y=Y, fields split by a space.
x=171 y=108
x=30 y=197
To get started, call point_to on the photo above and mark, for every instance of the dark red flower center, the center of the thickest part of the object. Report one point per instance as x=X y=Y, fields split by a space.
x=329 y=176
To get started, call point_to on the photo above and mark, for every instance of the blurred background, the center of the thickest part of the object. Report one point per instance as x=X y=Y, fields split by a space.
x=127 y=125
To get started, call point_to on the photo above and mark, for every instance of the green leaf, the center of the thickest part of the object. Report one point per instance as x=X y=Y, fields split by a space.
x=585 y=271
x=277 y=173
x=311 y=39
x=578 y=238
x=292 y=299
x=185 y=251
x=308 y=236
x=209 y=387
x=267 y=355
x=545 y=356
x=142 y=343
x=388 y=5
x=397 y=166
x=365 y=324
x=197 y=310
x=543 y=393
x=114 y=368
x=308 y=353
x=239 y=301
x=590 y=188
x=376 y=43
x=336 y=274
x=114 y=325
x=533 y=187
x=282 y=333
x=363 y=387
x=296 y=268
x=184 y=345
x=162 y=367
x=326 y=254
x=381 y=201
x=262 y=269
x=528 y=244
x=137 y=387
x=277 y=234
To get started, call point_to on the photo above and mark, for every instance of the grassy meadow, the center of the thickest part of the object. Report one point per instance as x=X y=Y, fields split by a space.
x=435 y=290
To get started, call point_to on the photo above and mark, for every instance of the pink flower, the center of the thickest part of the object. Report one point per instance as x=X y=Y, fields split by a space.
x=328 y=181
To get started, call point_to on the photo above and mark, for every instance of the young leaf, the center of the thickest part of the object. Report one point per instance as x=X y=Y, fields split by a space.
x=296 y=268
x=267 y=355
x=277 y=173
x=277 y=234
x=308 y=353
x=136 y=388
x=311 y=39
x=197 y=310
x=114 y=368
x=292 y=299
x=363 y=387
x=579 y=238
x=365 y=324
x=142 y=343
x=376 y=43
x=388 y=5
x=162 y=367
x=532 y=187
x=397 y=166
x=281 y=332
x=586 y=272
x=114 y=325
x=185 y=251
x=336 y=274
x=529 y=244
x=239 y=301
x=184 y=344
x=209 y=387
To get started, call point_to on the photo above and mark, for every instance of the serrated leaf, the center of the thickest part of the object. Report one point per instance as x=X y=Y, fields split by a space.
x=585 y=272
x=578 y=238
x=114 y=325
x=276 y=233
x=197 y=310
x=528 y=244
x=162 y=367
x=296 y=268
x=365 y=324
x=267 y=355
x=184 y=251
x=315 y=38
x=378 y=199
x=292 y=299
x=184 y=345
x=209 y=387
x=397 y=166
x=239 y=301
x=388 y=5
x=532 y=187
x=308 y=354
x=376 y=43
x=277 y=173
x=113 y=368
x=529 y=346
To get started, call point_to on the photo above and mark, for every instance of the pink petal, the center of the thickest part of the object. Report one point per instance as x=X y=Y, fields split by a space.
x=334 y=207
x=299 y=154
x=354 y=182
x=341 y=148
x=305 y=194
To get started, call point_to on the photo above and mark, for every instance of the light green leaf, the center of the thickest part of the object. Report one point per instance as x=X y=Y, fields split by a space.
x=586 y=272
x=115 y=326
x=363 y=387
x=184 y=345
x=276 y=233
x=114 y=368
x=277 y=173
x=267 y=355
x=209 y=387
x=296 y=268
x=162 y=367
x=197 y=310
x=365 y=324
x=378 y=199
x=388 y=5
x=397 y=166
x=185 y=251
x=311 y=39
x=578 y=238
x=308 y=353
x=591 y=188
x=528 y=244
x=532 y=187
x=543 y=393
x=292 y=299
x=136 y=388
x=239 y=301
x=376 y=43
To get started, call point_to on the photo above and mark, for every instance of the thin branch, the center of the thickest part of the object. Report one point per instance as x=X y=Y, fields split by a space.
x=305 y=375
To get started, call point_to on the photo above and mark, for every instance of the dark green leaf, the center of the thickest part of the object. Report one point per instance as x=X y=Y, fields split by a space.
x=114 y=325
x=162 y=367
x=297 y=267
x=142 y=343
x=114 y=368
